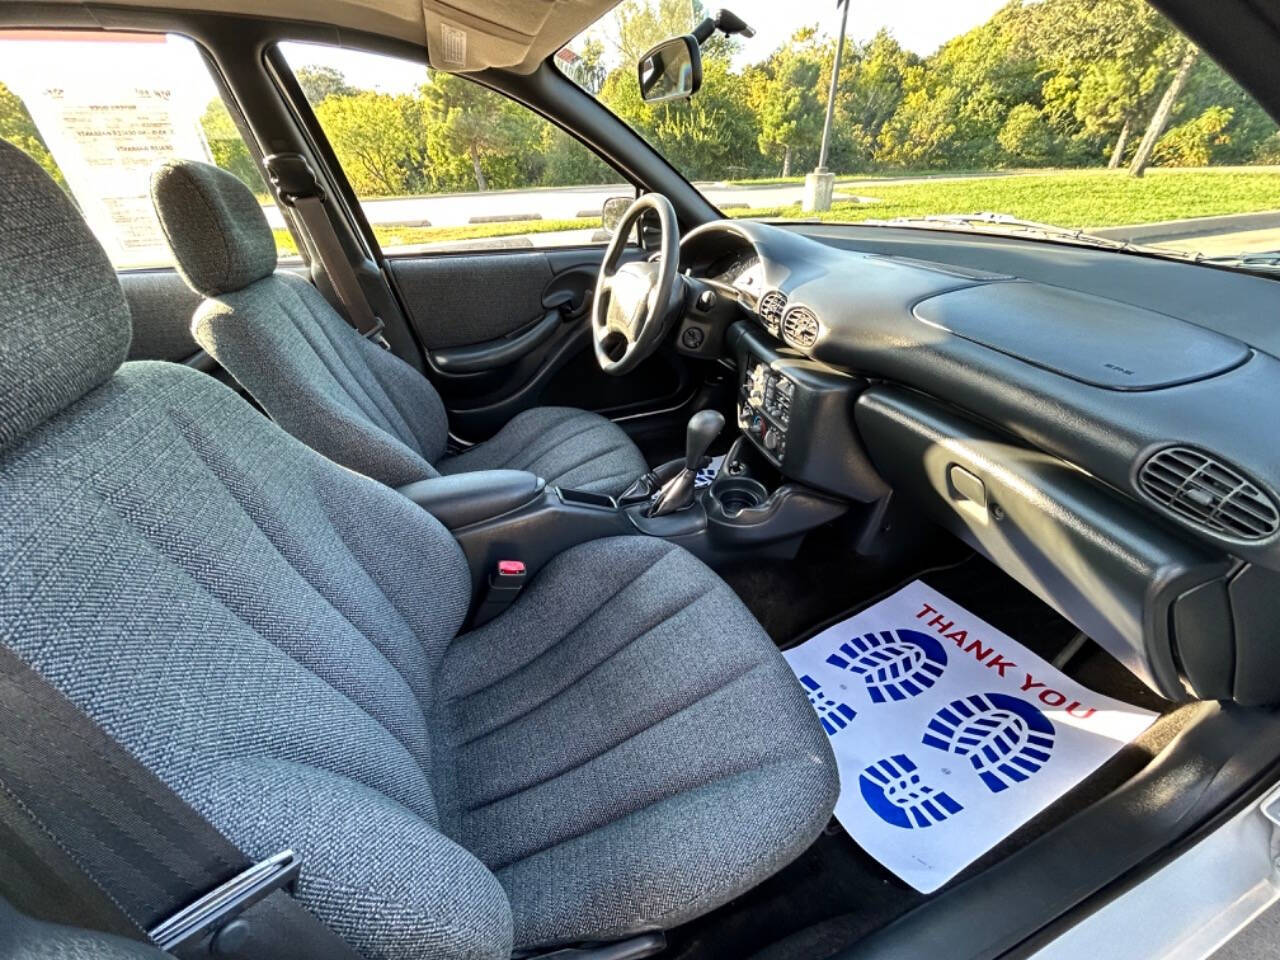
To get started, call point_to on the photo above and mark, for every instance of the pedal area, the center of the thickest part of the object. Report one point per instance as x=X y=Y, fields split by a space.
x=949 y=734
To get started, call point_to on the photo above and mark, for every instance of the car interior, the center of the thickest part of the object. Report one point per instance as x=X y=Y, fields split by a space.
x=369 y=604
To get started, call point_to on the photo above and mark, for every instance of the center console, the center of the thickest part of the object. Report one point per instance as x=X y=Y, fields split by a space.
x=796 y=465
x=764 y=408
x=798 y=414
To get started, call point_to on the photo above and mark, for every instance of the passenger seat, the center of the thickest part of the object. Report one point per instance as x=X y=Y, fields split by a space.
x=277 y=640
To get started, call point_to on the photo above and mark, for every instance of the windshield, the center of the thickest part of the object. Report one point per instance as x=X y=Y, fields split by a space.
x=1075 y=120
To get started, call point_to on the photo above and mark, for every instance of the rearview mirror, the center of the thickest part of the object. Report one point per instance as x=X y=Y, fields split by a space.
x=671 y=71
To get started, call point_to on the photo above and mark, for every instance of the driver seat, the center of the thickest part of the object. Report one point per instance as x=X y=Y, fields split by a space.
x=359 y=405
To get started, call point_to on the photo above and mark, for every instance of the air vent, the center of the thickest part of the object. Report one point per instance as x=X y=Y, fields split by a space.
x=771 y=306
x=800 y=327
x=1208 y=493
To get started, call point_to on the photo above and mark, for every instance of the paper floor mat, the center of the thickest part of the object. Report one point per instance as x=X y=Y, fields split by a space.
x=948 y=734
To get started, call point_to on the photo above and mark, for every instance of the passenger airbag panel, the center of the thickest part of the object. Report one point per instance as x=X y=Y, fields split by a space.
x=1101 y=342
x=1101 y=563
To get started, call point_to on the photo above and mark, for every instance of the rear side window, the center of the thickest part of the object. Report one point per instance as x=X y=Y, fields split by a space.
x=99 y=111
x=438 y=161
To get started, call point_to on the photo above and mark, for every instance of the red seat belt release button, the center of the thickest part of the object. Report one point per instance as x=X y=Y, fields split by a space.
x=506 y=581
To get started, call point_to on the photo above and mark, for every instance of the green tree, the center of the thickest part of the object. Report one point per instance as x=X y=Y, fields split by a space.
x=870 y=90
x=379 y=139
x=1210 y=86
x=584 y=66
x=319 y=82
x=1192 y=143
x=784 y=96
x=956 y=102
x=18 y=128
x=567 y=163
x=1026 y=136
x=227 y=147
x=470 y=126
x=1105 y=63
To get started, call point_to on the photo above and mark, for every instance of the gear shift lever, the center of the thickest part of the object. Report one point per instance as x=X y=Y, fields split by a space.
x=677 y=493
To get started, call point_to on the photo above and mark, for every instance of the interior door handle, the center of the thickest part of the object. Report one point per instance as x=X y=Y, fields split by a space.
x=475 y=357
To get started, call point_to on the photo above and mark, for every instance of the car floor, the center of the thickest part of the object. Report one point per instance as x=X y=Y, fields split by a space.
x=834 y=894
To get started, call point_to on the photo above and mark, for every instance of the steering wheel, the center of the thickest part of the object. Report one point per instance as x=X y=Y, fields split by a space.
x=634 y=302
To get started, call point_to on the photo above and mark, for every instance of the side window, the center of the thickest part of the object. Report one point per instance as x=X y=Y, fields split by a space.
x=99 y=111
x=440 y=162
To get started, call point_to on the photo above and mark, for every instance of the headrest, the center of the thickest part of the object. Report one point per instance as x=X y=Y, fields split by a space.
x=216 y=228
x=64 y=323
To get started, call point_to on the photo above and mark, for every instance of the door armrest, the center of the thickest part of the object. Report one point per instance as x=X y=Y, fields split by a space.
x=467 y=498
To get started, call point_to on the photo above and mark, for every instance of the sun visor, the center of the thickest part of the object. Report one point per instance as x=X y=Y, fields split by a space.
x=508 y=34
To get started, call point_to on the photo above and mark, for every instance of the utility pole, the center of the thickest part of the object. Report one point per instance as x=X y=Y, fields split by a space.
x=820 y=185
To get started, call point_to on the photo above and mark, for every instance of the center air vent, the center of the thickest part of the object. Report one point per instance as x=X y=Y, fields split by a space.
x=771 y=306
x=800 y=327
x=1209 y=494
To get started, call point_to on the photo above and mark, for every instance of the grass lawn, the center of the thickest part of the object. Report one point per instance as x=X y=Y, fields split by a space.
x=852 y=177
x=1073 y=198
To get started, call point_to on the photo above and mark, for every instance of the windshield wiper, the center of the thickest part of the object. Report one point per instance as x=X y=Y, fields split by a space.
x=1261 y=262
x=1004 y=223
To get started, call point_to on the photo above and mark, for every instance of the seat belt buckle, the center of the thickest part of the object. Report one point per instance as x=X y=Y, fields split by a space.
x=505 y=583
x=211 y=916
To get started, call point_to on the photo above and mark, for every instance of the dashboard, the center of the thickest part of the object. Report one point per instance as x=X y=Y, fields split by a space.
x=1092 y=421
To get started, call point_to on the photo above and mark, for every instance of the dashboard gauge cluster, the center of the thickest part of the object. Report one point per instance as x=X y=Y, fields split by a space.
x=742 y=271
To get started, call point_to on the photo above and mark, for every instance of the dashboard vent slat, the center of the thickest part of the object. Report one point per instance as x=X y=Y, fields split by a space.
x=1209 y=494
x=771 y=306
x=800 y=327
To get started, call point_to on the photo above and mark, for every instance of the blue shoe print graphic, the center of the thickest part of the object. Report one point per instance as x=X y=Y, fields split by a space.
x=1005 y=738
x=835 y=716
x=894 y=664
x=894 y=790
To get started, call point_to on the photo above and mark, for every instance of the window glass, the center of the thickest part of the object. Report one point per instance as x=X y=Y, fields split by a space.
x=439 y=161
x=1045 y=117
x=99 y=111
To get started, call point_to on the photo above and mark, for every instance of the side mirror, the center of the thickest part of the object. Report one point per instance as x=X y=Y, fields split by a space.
x=612 y=211
x=671 y=71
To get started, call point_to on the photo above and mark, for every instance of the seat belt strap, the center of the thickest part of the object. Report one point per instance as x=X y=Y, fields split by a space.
x=89 y=837
x=298 y=188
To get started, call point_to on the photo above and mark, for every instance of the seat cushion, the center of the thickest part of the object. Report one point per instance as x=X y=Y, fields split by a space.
x=628 y=749
x=566 y=447
x=261 y=630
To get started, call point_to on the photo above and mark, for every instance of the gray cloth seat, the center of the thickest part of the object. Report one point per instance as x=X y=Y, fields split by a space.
x=277 y=639
x=337 y=392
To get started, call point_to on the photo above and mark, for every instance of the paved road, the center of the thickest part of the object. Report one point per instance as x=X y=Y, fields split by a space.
x=1258 y=941
x=555 y=203
x=1212 y=236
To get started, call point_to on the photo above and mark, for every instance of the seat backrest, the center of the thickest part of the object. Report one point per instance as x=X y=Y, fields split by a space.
x=257 y=626
x=337 y=392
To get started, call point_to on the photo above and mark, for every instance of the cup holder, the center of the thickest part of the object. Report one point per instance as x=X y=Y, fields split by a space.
x=735 y=494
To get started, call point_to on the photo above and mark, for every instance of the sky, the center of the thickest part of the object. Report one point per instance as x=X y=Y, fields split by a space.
x=919 y=25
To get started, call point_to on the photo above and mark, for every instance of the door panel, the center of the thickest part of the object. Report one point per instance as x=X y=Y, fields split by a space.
x=455 y=300
x=508 y=331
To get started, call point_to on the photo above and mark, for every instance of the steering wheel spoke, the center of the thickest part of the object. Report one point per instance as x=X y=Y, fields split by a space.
x=633 y=300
